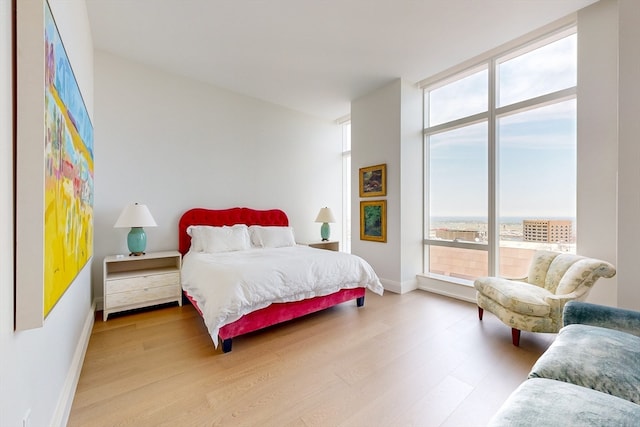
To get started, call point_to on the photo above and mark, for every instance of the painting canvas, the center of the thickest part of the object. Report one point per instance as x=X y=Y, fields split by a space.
x=373 y=181
x=373 y=221
x=68 y=175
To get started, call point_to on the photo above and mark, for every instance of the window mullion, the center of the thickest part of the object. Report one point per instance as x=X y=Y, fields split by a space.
x=492 y=226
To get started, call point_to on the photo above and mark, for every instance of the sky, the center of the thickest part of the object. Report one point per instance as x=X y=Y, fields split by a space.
x=536 y=148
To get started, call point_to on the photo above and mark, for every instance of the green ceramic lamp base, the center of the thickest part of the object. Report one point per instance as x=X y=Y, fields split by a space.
x=325 y=231
x=137 y=241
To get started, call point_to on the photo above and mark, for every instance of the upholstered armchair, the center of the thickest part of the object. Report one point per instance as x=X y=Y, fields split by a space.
x=535 y=303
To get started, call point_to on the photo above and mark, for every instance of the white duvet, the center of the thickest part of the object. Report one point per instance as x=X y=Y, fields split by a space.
x=228 y=285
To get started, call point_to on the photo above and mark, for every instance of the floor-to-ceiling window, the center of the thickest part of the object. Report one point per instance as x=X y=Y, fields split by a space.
x=346 y=186
x=500 y=160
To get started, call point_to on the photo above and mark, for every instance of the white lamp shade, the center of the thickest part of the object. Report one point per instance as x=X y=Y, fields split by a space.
x=325 y=215
x=135 y=215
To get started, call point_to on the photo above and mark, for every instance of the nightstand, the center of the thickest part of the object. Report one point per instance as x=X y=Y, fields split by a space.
x=331 y=245
x=141 y=281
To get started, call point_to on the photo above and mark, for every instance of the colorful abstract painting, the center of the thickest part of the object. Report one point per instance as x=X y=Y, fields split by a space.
x=68 y=145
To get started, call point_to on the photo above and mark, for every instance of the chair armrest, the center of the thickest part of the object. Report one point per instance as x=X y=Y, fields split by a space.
x=600 y=315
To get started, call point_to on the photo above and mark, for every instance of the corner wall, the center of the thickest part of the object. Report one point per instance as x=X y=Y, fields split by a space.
x=39 y=367
x=386 y=127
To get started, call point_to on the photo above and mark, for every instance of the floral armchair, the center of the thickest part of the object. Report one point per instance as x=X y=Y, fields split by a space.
x=535 y=303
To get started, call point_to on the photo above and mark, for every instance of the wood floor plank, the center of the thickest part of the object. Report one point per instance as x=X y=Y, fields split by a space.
x=414 y=359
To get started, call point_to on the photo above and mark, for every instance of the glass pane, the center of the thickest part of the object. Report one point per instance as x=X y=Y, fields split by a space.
x=461 y=98
x=460 y=263
x=544 y=70
x=458 y=186
x=537 y=189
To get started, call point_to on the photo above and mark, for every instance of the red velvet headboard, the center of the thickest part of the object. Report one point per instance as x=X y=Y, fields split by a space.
x=218 y=218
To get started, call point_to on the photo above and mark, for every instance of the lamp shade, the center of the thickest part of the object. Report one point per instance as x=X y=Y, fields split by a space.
x=325 y=215
x=135 y=215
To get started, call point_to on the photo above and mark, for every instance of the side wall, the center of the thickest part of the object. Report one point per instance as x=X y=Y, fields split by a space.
x=38 y=367
x=174 y=144
x=629 y=156
x=597 y=127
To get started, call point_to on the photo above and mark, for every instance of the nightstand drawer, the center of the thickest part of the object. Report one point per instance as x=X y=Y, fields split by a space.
x=142 y=282
x=130 y=298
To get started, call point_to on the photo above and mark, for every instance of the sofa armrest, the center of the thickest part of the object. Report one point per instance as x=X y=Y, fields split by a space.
x=603 y=316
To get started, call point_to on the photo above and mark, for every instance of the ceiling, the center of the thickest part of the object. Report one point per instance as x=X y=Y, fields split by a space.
x=314 y=56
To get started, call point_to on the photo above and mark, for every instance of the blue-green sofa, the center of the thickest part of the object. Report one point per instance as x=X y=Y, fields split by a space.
x=589 y=376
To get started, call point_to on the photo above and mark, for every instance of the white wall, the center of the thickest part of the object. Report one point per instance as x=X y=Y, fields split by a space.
x=175 y=144
x=375 y=135
x=629 y=156
x=597 y=127
x=386 y=128
x=38 y=367
x=608 y=150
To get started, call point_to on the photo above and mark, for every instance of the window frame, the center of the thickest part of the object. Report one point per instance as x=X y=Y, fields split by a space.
x=491 y=62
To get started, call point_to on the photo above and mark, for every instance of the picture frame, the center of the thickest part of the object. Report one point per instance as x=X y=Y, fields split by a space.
x=373 y=220
x=373 y=181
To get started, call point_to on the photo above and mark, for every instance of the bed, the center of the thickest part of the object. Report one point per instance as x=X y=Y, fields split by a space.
x=252 y=300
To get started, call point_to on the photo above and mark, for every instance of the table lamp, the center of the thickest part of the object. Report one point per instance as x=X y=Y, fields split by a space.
x=325 y=216
x=136 y=216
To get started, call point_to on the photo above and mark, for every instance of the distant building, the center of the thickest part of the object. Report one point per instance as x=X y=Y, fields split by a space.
x=464 y=235
x=547 y=230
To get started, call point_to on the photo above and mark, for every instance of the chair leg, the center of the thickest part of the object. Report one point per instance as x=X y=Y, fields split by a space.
x=515 y=336
x=480 y=312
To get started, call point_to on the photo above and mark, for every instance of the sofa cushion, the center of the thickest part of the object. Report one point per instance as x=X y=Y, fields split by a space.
x=541 y=402
x=519 y=297
x=602 y=359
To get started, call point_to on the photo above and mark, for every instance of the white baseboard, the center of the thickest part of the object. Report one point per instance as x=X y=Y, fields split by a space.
x=399 y=287
x=63 y=408
x=450 y=289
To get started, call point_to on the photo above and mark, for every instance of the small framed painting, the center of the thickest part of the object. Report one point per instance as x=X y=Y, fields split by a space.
x=373 y=181
x=373 y=221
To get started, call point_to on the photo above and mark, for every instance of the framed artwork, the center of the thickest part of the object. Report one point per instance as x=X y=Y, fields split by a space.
x=373 y=181
x=373 y=220
x=54 y=169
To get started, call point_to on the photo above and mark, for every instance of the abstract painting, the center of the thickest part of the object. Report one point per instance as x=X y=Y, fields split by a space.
x=68 y=175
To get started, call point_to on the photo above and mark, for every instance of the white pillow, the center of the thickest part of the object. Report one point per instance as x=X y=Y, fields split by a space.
x=271 y=237
x=197 y=236
x=219 y=239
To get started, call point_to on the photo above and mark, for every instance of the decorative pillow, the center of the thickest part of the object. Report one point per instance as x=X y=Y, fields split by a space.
x=219 y=239
x=272 y=237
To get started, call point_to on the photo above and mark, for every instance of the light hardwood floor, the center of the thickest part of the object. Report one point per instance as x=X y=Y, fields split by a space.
x=417 y=359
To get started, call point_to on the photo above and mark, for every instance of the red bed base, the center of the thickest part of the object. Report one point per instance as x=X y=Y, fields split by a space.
x=277 y=312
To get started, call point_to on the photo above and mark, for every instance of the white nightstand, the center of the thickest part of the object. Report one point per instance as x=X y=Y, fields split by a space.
x=141 y=281
x=330 y=245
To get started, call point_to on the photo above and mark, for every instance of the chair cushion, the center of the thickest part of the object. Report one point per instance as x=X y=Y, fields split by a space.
x=598 y=358
x=541 y=402
x=519 y=297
